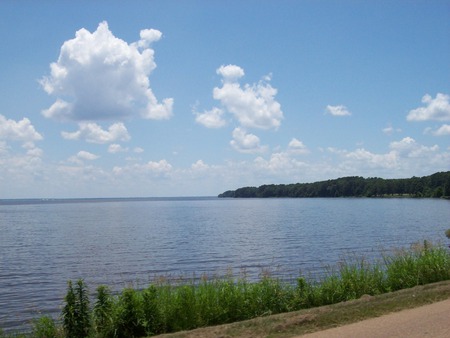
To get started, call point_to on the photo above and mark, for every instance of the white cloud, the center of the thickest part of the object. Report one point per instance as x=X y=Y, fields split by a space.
x=85 y=155
x=116 y=148
x=148 y=36
x=297 y=147
x=405 y=158
x=32 y=150
x=443 y=130
x=99 y=76
x=280 y=164
x=230 y=73
x=83 y=176
x=338 y=110
x=199 y=166
x=93 y=133
x=254 y=106
x=401 y=152
x=82 y=156
x=19 y=171
x=3 y=147
x=138 y=150
x=372 y=160
x=435 y=109
x=160 y=168
x=35 y=152
x=246 y=143
x=389 y=130
x=211 y=118
x=408 y=147
x=21 y=130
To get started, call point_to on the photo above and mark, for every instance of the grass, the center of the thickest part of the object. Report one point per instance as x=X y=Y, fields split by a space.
x=167 y=306
x=321 y=318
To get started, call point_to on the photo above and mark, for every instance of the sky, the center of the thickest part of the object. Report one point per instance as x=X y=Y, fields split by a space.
x=192 y=98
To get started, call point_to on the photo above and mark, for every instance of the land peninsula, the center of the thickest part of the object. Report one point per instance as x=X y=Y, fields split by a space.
x=436 y=185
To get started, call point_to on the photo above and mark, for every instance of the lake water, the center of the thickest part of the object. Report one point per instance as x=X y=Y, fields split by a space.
x=43 y=244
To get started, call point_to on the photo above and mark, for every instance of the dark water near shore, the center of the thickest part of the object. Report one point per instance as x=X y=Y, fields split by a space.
x=121 y=241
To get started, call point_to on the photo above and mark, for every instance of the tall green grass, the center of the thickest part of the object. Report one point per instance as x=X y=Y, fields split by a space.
x=420 y=265
x=168 y=306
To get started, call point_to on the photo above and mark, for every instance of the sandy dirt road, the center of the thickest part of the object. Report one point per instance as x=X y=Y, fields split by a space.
x=431 y=320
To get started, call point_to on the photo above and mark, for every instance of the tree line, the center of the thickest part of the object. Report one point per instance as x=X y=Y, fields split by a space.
x=436 y=185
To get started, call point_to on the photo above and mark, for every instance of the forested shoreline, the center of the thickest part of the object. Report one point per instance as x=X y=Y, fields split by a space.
x=436 y=185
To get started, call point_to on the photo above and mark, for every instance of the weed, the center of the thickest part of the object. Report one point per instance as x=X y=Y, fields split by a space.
x=103 y=315
x=76 y=314
x=129 y=315
x=417 y=266
x=45 y=327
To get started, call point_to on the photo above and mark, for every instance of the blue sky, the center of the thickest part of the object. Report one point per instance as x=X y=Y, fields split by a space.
x=192 y=98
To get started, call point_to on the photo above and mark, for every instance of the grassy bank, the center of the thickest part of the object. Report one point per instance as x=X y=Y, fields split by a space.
x=305 y=321
x=166 y=306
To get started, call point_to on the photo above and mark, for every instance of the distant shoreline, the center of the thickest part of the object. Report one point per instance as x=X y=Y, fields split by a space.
x=30 y=201
x=436 y=185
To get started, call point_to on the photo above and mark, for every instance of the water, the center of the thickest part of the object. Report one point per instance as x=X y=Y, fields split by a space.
x=117 y=242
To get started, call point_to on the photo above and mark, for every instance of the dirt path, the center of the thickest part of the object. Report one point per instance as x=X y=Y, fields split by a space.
x=427 y=321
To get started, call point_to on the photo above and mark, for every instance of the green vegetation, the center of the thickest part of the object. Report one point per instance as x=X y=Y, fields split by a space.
x=76 y=316
x=447 y=233
x=436 y=185
x=169 y=306
x=296 y=323
x=46 y=327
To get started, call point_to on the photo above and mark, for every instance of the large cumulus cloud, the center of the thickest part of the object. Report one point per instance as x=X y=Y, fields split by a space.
x=99 y=76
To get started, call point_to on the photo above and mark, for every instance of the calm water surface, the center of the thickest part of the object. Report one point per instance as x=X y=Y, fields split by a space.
x=118 y=242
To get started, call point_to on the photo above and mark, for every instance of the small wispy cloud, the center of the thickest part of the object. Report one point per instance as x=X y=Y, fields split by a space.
x=116 y=148
x=93 y=133
x=389 y=130
x=339 y=110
